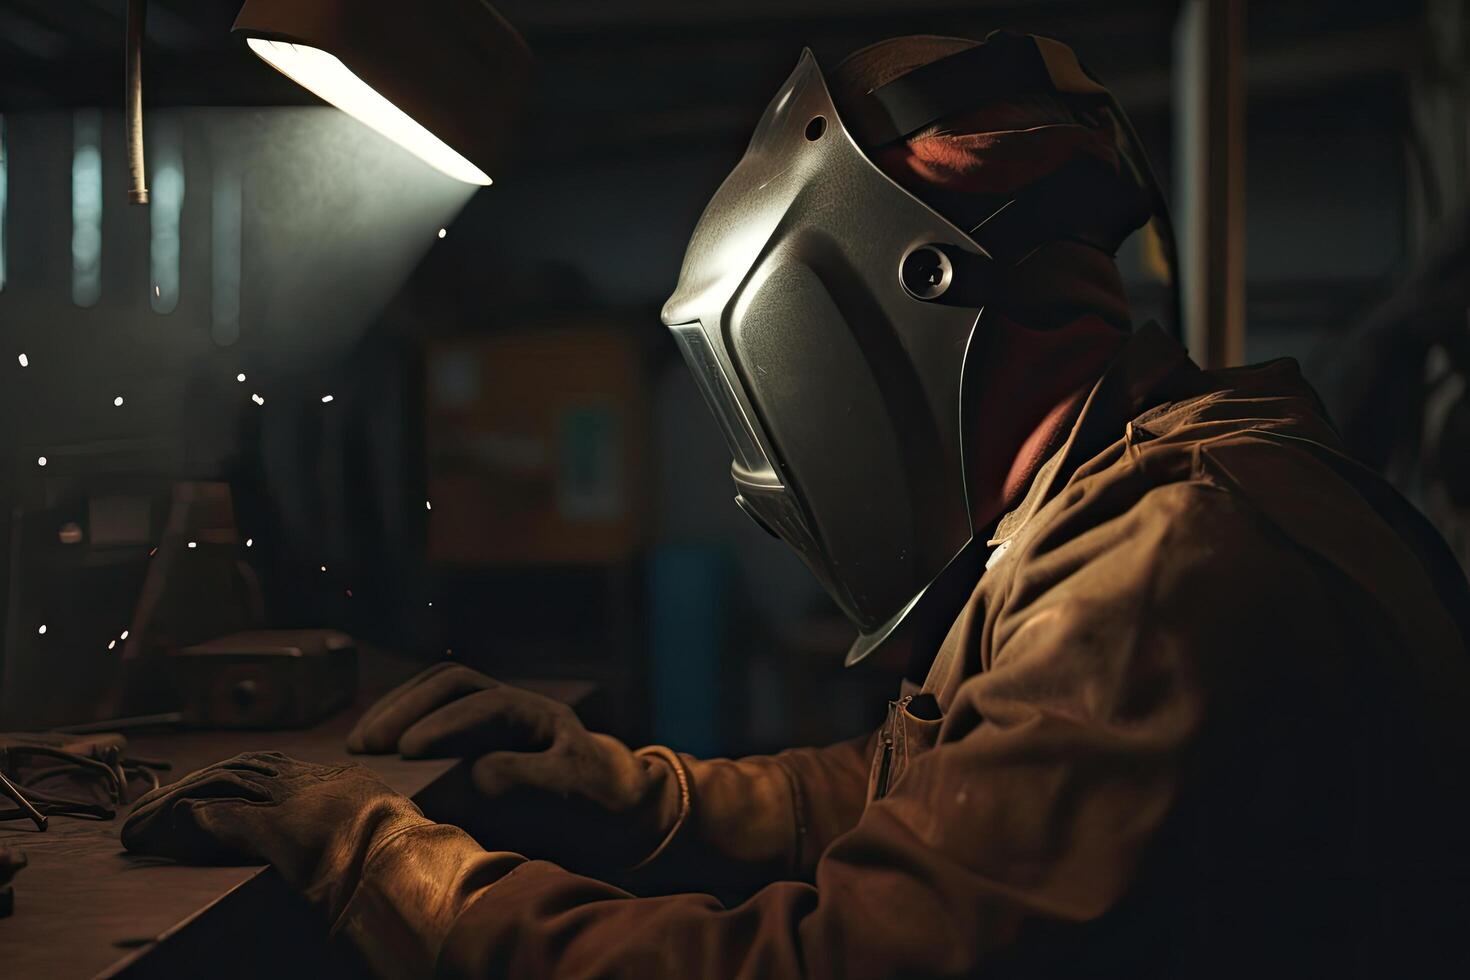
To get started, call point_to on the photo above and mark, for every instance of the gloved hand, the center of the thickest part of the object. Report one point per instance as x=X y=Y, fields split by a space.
x=317 y=825
x=539 y=783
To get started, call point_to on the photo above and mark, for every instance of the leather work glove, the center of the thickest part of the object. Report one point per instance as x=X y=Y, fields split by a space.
x=390 y=881
x=538 y=782
x=317 y=825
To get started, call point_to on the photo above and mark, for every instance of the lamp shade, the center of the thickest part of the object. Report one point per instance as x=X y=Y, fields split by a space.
x=445 y=79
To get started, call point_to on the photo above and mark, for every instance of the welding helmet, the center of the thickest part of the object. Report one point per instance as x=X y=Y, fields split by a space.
x=829 y=318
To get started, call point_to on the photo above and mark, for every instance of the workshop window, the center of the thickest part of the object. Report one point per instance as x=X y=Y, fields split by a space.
x=165 y=207
x=226 y=223
x=86 y=207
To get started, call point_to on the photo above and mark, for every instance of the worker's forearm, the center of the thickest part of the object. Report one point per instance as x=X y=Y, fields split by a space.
x=760 y=819
x=749 y=822
x=414 y=886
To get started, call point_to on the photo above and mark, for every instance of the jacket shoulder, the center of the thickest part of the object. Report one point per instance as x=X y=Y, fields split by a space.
x=1184 y=548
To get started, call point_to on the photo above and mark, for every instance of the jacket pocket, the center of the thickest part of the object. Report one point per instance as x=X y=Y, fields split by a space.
x=910 y=730
x=880 y=773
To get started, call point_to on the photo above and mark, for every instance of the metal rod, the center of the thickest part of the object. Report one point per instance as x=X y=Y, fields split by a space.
x=133 y=108
x=7 y=788
x=1209 y=166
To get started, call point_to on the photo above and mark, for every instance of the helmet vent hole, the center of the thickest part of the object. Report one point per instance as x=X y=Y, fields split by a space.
x=816 y=128
x=925 y=272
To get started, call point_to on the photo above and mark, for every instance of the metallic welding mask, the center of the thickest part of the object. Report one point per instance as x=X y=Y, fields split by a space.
x=828 y=316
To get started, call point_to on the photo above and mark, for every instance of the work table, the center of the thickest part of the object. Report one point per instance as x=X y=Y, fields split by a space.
x=86 y=908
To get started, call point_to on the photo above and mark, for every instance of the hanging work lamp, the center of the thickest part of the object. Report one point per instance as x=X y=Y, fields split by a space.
x=444 y=79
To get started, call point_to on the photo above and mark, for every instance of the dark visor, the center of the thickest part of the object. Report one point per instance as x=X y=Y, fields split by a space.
x=715 y=387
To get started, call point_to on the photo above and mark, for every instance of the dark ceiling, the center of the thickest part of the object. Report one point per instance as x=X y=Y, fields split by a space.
x=627 y=75
x=61 y=52
x=669 y=63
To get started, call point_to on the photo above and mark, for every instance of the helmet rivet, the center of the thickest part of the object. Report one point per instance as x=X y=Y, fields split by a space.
x=925 y=272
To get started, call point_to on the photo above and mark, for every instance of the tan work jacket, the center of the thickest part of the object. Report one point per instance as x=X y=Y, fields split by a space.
x=1205 y=714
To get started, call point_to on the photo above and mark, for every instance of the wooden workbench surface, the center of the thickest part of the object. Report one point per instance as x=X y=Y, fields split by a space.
x=85 y=908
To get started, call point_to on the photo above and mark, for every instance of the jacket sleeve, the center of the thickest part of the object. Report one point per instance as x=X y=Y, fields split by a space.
x=759 y=819
x=1056 y=767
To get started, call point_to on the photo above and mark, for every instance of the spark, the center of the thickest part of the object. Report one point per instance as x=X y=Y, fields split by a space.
x=249 y=542
x=240 y=376
x=428 y=506
x=324 y=568
x=24 y=361
x=155 y=290
x=257 y=399
x=193 y=544
x=326 y=399
x=112 y=644
x=118 y=401
x=42 y=630
x=40 y=460
x=124 y=635
x=443 y=232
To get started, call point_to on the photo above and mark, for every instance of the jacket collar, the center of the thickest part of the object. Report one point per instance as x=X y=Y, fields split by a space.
x=1126 y=388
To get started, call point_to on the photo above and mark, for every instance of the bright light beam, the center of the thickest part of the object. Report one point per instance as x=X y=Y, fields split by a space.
x=327 y=77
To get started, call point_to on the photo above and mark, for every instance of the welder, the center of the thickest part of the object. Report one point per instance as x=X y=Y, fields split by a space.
x=1187 y=685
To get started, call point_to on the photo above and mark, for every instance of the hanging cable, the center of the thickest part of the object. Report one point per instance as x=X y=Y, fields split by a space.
x=133 y=108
